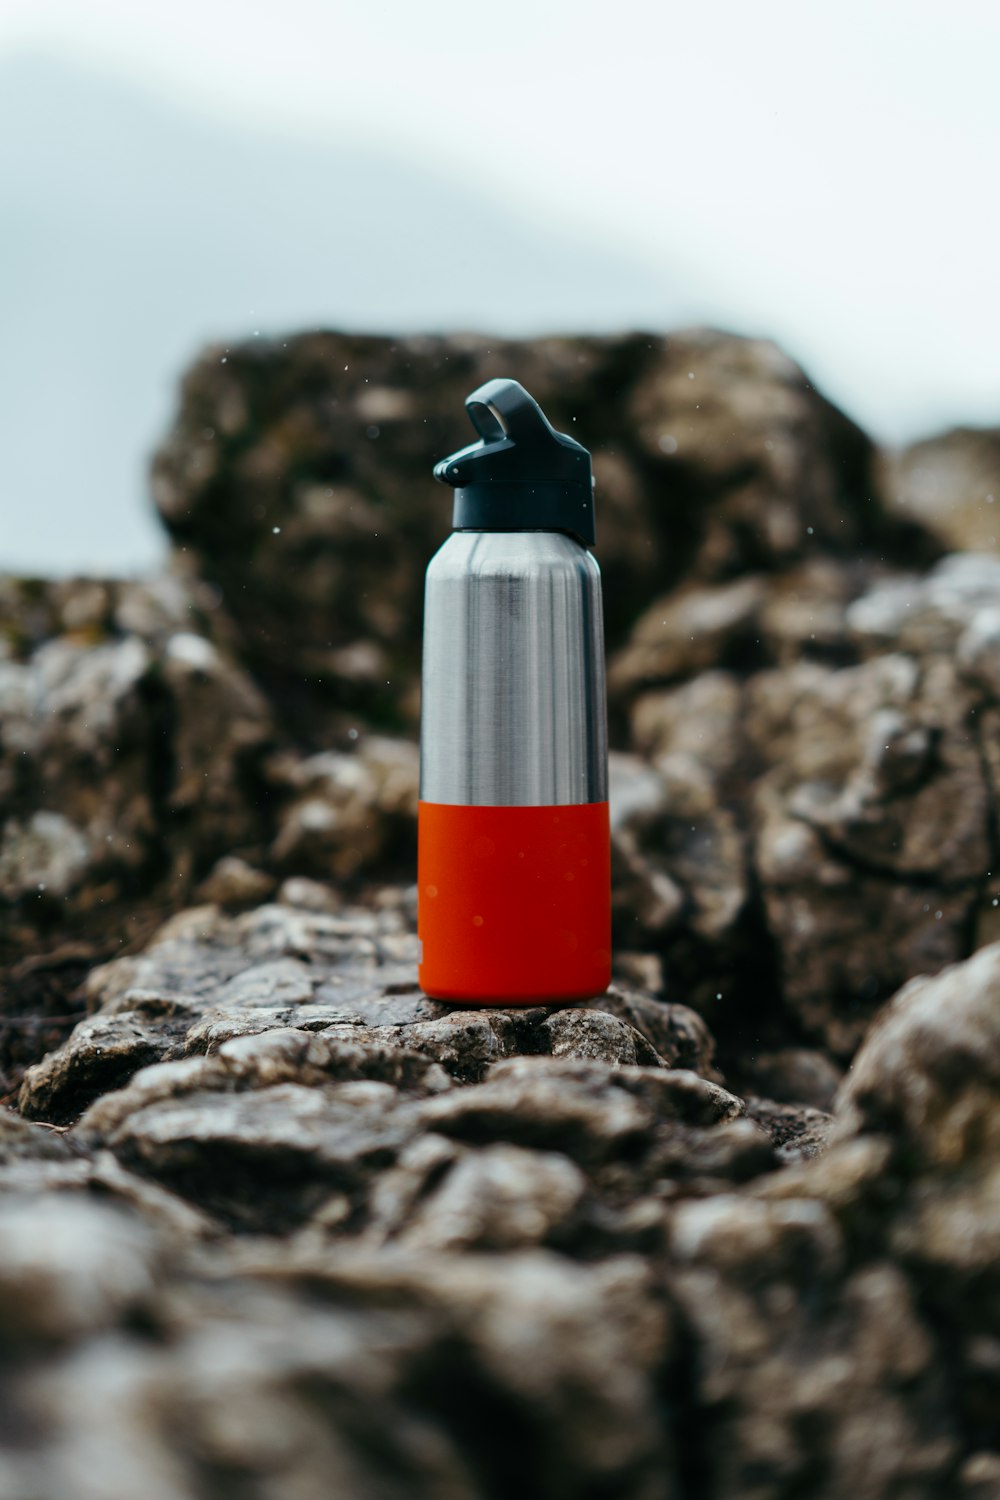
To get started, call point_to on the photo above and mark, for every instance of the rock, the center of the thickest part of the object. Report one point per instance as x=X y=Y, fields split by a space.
x=684 y=884
x=45 y=853
x=221 y=729
x=233 y=883
x=265 y=1162
x=913 y=1164
x=68 y=1267
x=929 y=1073
x=434 y=1215
x=74 y=751
x=702 y=847
x=98 y=1176
x=927 y=613
x=465 y=1043
x=743 y=627
x=700 y=720
x=127 y=761
x=290 y=1228
x=22 y=1141
x=210 y=978
x=799 y=839
x=100 y=1054
x=805 y=612
x=798 y=1131
x=348 y=811
x=980 y=1476
x=642 y=970
x=262 y=1079
x=762 y=1282
x=646 y=902
x=678 y=1035
x=578 y=1107
x=693 y=630
x=500 y=1198
x=313 y=895
x=592 y=1035
x=314 y=518
x=679 y=872
x=42 y=999
x=241 y=687
x=876 y=802
x=950 y=484
x=569 y=1353
x=924 y=1088
x=738 y=418
x=794 y=1075
x=156 y=1006
x=297 y=1110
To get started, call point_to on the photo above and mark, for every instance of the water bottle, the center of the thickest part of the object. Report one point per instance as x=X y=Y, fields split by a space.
x=513 y=872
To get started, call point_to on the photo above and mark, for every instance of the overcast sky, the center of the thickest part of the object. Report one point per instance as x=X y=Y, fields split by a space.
x=824 y=173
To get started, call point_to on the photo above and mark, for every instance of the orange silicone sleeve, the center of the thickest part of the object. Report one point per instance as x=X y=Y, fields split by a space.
x=514 y=903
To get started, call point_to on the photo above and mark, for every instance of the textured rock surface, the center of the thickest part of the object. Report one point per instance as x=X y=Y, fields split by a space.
x=273 y=1225
x=830 y=826
x=309 y=1231
x=129 y=748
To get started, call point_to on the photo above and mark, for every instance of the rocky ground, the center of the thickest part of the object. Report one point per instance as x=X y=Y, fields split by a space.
x=272 y=1224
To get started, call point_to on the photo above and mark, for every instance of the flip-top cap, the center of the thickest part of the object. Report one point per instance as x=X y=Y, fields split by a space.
x=521 y=475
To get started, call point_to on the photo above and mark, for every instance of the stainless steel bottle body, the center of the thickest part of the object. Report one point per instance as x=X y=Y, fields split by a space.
x=513 y=710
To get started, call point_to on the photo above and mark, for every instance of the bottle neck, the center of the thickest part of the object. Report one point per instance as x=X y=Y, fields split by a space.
x=548 y=505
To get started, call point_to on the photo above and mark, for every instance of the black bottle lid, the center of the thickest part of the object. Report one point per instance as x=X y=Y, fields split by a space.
x=522 y=475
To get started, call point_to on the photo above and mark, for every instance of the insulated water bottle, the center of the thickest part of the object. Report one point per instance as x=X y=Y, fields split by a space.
x=514 y=857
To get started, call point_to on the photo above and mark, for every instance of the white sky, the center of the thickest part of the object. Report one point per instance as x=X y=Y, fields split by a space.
x=822 y=171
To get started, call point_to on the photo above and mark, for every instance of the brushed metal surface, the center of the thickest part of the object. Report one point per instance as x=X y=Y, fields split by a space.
x=513 y=711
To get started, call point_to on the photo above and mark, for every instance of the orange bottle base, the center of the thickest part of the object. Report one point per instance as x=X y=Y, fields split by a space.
x=514 y=903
